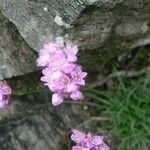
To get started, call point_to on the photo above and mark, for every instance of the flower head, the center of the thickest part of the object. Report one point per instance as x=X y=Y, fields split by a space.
x=87 y=141
x=5 y=92
x=46 y=54
x=60 y=71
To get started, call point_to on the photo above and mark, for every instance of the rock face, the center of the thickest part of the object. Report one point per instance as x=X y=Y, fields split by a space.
x=42 y=21
x=30 y=123
x=16 y=57
x=107 y=27
x=121 y=24
x=113 y=28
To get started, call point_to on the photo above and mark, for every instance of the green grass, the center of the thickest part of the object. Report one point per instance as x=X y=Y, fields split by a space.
x=127 y=106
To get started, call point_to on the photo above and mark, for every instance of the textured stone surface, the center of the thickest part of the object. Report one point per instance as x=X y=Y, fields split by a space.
x=31 y=123
x=41 y=21
x=16 y=57
x=112 y=29
x=101 y=21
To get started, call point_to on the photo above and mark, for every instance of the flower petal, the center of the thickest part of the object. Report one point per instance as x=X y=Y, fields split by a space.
x=77 y=136
x=57 y=99
x=76 y=95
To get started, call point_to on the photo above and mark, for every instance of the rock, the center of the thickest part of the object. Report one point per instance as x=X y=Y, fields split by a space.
x=42 y=21
x=112 y=28
x=108 y=28
x=30 y=123
x=16 y=57
x=102 y=23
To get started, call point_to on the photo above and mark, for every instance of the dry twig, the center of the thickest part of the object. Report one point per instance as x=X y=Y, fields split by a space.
x=126 y=74
x=97 y=119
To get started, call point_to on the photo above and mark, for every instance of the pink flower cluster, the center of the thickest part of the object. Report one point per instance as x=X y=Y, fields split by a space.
x=61 y=73
x=87 y=141
x=5 y=92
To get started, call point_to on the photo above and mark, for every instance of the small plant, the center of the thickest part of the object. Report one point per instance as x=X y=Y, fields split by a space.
x=5 y=93
x=127 y=108
x=61 y=73
x=87 y=141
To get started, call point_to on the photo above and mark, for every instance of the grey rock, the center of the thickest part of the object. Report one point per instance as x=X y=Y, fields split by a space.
x=90 y=23
x=112 y=29
x=42 y=21
x=16 y=56
x=32 y=124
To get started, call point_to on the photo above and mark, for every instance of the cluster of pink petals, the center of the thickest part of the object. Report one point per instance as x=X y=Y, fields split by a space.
x=5 y=92
x=87 y=141
x=61 y=73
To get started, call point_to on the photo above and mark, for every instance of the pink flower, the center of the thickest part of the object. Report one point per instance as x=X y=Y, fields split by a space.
x=96 y=140
x=57 y=81
x=5 y=92
x=71 y=52
x=77 y=136
x=57 y=61
x=76 y=95
x=103 y=146
x=78 y=76
x=57 y=99
x=87 y=141
x=46 y=53
x=60 y=72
